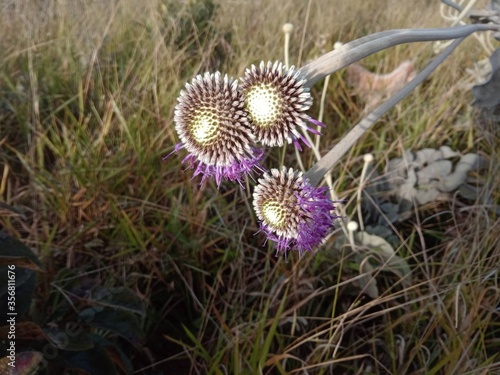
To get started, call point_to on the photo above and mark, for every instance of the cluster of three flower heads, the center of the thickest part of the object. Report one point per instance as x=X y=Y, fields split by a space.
x=220 y=123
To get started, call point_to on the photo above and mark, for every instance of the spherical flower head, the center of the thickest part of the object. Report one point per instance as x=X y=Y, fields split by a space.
x=276 y=100
x=292 y=212
x=212 y=124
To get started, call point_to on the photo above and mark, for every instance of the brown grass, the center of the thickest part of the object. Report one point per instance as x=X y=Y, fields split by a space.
x=87 y=94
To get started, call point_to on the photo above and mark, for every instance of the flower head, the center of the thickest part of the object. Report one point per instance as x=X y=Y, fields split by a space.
x=212 y=124
x=276 y=100
x=292 y=212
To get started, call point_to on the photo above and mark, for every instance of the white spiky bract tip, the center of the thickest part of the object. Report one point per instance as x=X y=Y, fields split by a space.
x=293 y=213
x=276 y=100
x=211 y=120
x=213 y=126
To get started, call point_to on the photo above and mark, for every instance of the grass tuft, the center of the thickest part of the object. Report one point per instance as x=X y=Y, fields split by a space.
x=87 y=96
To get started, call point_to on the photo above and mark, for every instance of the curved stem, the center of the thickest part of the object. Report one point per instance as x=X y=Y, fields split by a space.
x=318 y=170
x=360 y=48
x=453 y=5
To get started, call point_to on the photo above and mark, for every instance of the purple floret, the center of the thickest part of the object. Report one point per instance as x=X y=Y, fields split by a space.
x=234 y=172
x=312 y=212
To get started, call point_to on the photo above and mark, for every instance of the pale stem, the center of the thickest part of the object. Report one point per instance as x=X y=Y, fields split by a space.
x=368 y=45
x=452 y=4
x=286 y=49
x=299 y=160
x=318 y=170
x=322 y=107
x=367 y=159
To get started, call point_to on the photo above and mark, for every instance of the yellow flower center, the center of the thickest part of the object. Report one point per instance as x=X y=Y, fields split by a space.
x=263 y=103
x=205 y=127
x=274 y=213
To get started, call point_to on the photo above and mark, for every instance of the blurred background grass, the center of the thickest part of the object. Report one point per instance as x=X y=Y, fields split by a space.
x=87 y=94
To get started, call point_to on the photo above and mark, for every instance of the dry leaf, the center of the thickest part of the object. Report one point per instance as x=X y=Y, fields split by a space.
x=373 y=87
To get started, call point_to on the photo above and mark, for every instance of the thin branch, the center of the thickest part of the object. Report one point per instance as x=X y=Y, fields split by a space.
x=452 y=4
x=360 y=48
x=318 y=170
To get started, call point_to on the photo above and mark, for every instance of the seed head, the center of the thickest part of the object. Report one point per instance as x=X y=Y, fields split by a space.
x=212 y=124
x=292 y=212
x=276 y=100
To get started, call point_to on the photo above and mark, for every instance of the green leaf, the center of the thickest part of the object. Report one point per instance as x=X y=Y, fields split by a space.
x=429 y=174
x=271 y=334
x=67 y=341
x=389 y=260
x=427 y=195
x=433 y=171
x=19 y=263
x=25 y=280
x=66 y=279
x=119 y=358
x=469 y=192
x=367 y=282
x=372 y=241
x=13 y=251
x=486 y=95
x=458 y=177
x=201 y=349
x=22 y=275
x=94 y=361
x=121 y=298
x=123 y=323
x=425 y=156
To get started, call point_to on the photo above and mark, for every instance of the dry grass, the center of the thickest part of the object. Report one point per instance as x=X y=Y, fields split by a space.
x=87 y=91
